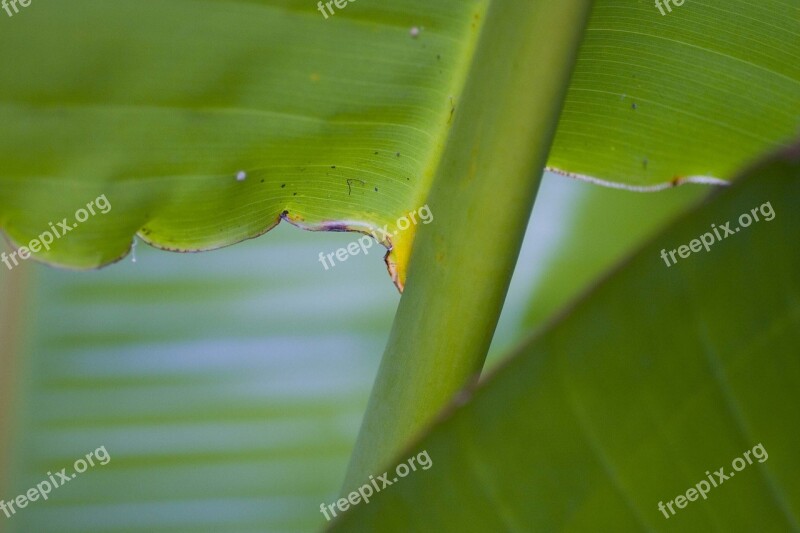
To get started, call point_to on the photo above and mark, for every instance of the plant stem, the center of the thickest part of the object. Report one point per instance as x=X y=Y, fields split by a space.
x=481 y=199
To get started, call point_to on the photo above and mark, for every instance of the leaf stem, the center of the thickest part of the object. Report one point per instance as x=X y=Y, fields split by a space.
x=481 y=198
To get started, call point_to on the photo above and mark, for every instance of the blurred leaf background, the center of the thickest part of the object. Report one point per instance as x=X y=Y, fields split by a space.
x=228 y=386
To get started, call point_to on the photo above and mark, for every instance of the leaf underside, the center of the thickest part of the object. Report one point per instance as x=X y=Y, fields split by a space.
x=339 y=123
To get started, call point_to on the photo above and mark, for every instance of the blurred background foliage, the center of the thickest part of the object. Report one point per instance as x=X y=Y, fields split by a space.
x=228 y=386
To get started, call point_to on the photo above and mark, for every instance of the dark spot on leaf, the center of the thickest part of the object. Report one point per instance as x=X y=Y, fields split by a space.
x=350 y=184
x=333 y=166
x=452 y=110
x=376 y=189
x=283 y=185
x=634 y=106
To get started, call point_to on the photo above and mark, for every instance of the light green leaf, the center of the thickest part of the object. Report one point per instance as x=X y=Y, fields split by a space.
x=335 y=123
x=628 y=400
x=700 y=91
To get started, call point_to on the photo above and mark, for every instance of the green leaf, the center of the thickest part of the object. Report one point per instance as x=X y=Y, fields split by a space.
x=659 y=375
x=336 y=124
x=700 y=91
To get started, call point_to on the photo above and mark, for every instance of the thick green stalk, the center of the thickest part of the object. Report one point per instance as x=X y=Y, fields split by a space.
x=481 y=199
